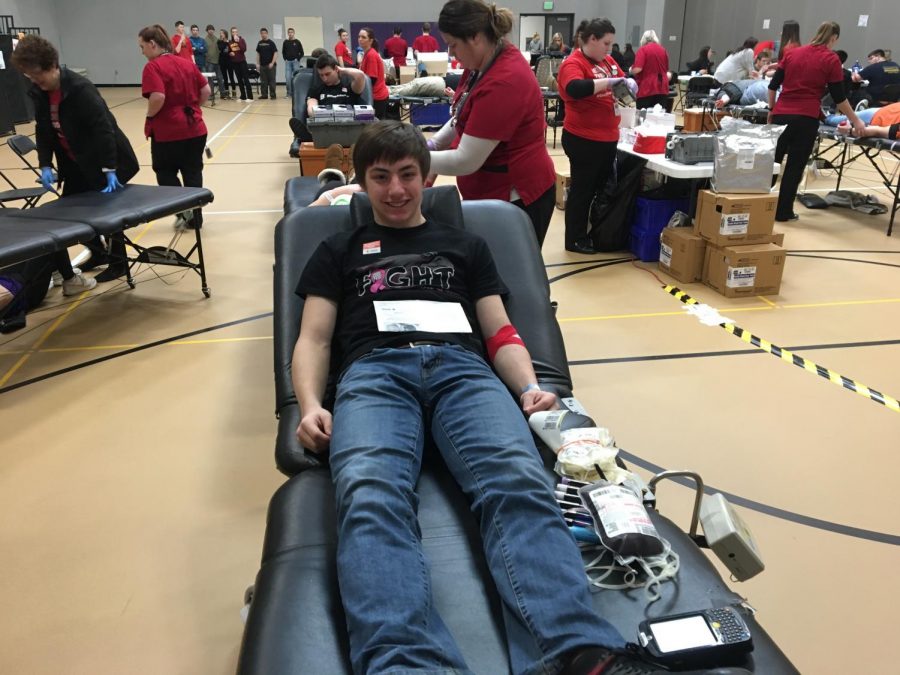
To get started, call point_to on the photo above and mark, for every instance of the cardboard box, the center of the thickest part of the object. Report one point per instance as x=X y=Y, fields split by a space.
x=407 y=74
x=312 y=160
x=726 y=219
x=563 y=181
x=738 y=271
x=699 y=119
x=681 y=254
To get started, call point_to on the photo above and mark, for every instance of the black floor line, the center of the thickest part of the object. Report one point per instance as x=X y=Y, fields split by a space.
x=131 y=350
x=587 y=262
x=730 y=352
x=606 y=263
x=773 y=511
x=828 y=257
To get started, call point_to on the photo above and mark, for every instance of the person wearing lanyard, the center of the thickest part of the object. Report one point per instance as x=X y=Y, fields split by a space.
x=174 y=92
x=803 y=75
x=73 y=123
x=373 y=67
x=591 y=128
x=494 y=142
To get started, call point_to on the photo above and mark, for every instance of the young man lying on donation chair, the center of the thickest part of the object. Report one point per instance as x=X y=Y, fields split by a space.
x=407 y=372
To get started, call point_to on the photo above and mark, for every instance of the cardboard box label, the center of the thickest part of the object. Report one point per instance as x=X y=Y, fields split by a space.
x=665 y=255
x=734 y=223
x=740 y=277
x=746 y=158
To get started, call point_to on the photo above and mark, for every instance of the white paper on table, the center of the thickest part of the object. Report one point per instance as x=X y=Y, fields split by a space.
x=427 y=316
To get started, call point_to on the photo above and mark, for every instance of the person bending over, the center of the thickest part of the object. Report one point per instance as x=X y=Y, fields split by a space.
x=434 y=381
x=334 y=85
x=74 y=125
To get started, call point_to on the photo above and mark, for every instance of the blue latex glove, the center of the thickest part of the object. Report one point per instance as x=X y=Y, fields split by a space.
x=112 y=182
x=632 y=86
x=48 y=179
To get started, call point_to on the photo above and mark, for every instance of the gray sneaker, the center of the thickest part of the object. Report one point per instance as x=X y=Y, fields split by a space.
x=78 y=284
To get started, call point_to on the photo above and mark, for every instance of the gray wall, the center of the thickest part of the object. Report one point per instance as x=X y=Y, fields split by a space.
x=40 y=13
x=722 y=23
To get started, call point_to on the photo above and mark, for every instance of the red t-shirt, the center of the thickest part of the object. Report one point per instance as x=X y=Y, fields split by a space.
x=395 y=47
x=808 y=70
x=55 y=99
x=181 y=83
x=505 y=104
x=187 y=49
x=425 y=44
x=373 y=66
x=343 y=54
x=653 y=80
x=592 y=117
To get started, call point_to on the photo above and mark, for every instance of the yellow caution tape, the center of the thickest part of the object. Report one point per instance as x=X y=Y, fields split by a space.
x=796 y=359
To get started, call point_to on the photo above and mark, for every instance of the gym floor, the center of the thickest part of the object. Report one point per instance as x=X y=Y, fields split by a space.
x=138 y=425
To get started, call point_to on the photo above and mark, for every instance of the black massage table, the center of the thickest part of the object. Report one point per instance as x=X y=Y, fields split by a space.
x=295 y=622
x=77 y=219
x=836 y=151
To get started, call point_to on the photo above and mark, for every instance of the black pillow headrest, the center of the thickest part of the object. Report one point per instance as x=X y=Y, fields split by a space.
x=440 y=205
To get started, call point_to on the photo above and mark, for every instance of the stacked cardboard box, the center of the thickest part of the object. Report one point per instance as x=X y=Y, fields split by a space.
x=732 y=247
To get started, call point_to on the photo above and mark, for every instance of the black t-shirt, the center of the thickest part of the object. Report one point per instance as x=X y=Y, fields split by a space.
x=266 y=50
x=292 y=50
x=879 y=76
x=376 y=263
x=341 y=93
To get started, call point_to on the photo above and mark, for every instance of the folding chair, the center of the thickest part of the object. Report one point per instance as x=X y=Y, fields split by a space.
x=253 y=77
x=21 y=147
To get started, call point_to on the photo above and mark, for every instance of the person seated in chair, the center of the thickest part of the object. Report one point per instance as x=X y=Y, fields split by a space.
x=333 y=84
x=405 y=375
x=880 y=73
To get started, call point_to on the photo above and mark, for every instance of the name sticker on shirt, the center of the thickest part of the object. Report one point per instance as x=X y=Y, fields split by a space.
x=371 y=247
x=426 y=316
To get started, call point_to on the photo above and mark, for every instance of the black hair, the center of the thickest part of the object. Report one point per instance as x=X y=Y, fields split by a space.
x=371 y=34
x=398 y=30
x=179 y=23
x=597 y=28
x=876 y=52
x=193 y=26
x=389 y=141
x=326 y=61
x=841 y=54
x=749 y=43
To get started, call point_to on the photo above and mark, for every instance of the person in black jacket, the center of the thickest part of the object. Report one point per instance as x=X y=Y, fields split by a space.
x=74 y=125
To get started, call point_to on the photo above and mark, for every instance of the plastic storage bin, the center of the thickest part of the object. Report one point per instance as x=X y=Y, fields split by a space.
x=650 y=218
x=343 y=133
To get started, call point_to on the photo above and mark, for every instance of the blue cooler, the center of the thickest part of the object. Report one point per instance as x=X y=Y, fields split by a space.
x=650 y=218
x=430 y=115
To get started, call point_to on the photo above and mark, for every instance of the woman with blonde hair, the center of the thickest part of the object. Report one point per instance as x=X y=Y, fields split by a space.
x=535 y=44
x=651 y=71
x=804 y=74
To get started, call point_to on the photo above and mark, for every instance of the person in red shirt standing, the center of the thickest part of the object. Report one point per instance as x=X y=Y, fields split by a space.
x=373 y=67
x=174 y=92
x=803 y=76
x=494 y=142
x=651 y=71
x=395 y=47
x=341 y=51
x=181 y=43
x=591 y=127
x=425 y=43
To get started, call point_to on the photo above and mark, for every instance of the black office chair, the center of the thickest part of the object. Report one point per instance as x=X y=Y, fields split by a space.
x=698 y=89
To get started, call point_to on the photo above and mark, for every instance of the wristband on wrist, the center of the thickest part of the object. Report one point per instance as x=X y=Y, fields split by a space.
x=531 y=387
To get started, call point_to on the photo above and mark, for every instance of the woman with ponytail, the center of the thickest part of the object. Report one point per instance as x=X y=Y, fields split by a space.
x=494 y=141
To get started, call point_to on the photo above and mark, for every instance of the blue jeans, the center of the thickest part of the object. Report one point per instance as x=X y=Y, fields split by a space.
x=290 y=67
x=387 y=401
x=865 y=115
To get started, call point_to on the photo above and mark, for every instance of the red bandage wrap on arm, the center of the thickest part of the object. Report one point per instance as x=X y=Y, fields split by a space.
x=505 y=336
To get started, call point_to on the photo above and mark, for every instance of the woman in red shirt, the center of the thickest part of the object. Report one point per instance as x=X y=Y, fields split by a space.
x=803 y=76
x=174 y=90
x=341 y=51
x=373 y=67
x=651 y=71
x=591 y=127
x=494 y=142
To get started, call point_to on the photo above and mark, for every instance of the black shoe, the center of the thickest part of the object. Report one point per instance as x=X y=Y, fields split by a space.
x=95 y=260
x=262 y=98
x=603 y=661
x=781 y=219
x=8 y=324
x=112 y=273
x=583 y=247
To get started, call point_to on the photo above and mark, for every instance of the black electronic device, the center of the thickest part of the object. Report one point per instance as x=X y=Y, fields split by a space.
x=690 y=148
x=623 y=95
x=709 y=637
